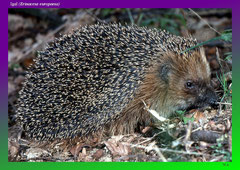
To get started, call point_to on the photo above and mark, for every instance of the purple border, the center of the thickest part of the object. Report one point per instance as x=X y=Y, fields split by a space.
x=127 y=3
x=234 y=4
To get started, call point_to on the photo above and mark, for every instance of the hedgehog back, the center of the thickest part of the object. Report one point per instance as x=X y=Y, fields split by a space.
x=84 y=80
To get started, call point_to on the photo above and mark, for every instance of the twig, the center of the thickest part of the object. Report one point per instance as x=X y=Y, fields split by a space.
x=218 y=59
x=168 y=150
x=181 y=152
x=149 y=139
x=224 y=103
x=94 y=16
x=186 y=141
x=217 y=159
x=189 y=131
x=26 y=54
x=204 y=21
x=151 y=146
x=185 y=135
x=160 y=154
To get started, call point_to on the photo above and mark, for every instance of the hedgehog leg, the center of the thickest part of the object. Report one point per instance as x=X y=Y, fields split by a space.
x=130 y=119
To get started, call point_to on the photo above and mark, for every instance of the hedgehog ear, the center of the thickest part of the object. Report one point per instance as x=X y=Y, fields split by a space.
x=204 y=59
x=203 y=55
x=165 y=71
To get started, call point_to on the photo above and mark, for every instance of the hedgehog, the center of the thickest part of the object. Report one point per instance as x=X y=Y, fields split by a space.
x=98 y=78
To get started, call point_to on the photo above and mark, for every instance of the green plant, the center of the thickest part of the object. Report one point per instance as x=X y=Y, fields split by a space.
x=226 y=89
x=169 y=21
x=225 y=36
x=228 y=56
x=181 y=113
x=219 y=149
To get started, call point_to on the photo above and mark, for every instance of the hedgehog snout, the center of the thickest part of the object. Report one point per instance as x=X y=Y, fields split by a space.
x=211 y=97
x=207 y=98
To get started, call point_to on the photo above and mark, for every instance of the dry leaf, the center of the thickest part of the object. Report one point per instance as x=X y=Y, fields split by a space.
x=98 y=154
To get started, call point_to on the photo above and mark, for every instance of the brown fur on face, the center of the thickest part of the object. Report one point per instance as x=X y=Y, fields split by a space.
x=165 y=90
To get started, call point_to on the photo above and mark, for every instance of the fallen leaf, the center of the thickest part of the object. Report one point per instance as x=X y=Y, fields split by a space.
x=117 y=148
x=98 y=154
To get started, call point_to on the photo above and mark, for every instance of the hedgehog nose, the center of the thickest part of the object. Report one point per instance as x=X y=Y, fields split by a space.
x=213 y=102
x=212 y=98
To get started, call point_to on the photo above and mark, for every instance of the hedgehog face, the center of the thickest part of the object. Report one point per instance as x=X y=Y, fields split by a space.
x=188 y=82
x=195 y=94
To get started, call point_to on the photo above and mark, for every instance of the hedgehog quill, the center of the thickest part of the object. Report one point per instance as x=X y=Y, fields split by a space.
x=97 y=77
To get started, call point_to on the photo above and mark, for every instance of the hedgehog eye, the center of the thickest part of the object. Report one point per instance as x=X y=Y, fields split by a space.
x=189 y=84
